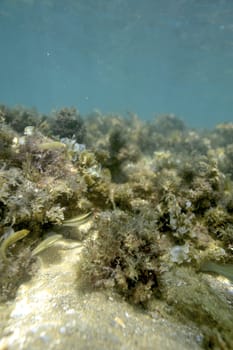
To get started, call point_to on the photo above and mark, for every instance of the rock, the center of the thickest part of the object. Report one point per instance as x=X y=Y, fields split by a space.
x=51 y=312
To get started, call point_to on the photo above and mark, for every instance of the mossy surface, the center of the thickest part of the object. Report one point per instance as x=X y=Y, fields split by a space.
x=189 y=295
x=161 y=195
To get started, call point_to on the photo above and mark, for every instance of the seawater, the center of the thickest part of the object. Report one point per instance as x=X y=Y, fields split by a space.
x=120 y=56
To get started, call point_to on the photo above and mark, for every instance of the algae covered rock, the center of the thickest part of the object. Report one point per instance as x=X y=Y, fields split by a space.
x=160 y=196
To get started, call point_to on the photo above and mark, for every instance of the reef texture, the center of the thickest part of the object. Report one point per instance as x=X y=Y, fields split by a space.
x=161 y=195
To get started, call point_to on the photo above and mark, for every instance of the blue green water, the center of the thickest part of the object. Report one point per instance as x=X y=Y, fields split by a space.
x=148 y=57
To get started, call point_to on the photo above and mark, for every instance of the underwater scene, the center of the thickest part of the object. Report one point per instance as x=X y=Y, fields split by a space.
x=116 y=174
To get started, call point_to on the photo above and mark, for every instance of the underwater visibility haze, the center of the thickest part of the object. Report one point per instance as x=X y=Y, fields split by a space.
x=116 y=174
x=148 y=57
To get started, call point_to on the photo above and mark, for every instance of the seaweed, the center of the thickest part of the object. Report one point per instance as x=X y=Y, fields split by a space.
x=67 y=122
x=20 y=117
x=161 y=195
x=124 y=255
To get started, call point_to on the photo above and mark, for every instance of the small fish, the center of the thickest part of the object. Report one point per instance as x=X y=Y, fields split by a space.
x=46 y=243
x=78 y=220
x=225 y=270
x=12 y=238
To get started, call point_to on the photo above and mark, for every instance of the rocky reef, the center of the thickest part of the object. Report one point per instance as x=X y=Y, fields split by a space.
x=161 y=198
